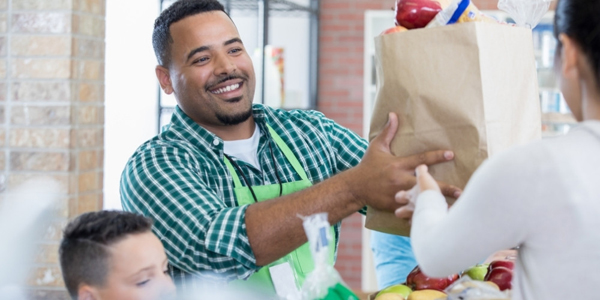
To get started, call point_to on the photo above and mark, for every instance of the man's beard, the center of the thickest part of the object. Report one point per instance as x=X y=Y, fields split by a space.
x=235 y=119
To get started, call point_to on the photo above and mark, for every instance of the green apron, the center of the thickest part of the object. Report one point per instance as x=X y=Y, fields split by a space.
x=300 y=259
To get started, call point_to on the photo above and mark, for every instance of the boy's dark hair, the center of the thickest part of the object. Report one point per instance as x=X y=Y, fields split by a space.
x=84 y=254
x=161 y=37
x=580 y=20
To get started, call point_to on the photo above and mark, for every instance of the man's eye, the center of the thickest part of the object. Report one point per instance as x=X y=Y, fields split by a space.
x=166 y=271
x=142 y=283
x=200 y=60
x=236 y=50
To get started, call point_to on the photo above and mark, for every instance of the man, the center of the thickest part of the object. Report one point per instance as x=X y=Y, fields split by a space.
x=114 y=255
x=226 y=182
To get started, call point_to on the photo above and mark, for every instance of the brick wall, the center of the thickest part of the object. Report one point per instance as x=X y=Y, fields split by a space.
x=52 y=112
x=341 y=45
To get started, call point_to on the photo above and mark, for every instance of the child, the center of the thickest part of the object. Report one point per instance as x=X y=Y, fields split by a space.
x=114 y=255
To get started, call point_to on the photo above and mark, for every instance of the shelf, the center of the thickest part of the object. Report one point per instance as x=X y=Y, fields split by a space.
x=276 y=7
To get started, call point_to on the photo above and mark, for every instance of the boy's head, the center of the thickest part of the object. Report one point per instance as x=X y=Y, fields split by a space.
x=114 y=255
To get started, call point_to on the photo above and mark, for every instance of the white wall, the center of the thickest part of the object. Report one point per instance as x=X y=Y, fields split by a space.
x=131 y=87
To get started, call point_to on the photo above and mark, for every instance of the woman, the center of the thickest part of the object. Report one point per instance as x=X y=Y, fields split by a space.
x=543 y=197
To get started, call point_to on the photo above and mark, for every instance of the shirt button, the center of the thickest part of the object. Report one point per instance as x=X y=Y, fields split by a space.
x=216 y=142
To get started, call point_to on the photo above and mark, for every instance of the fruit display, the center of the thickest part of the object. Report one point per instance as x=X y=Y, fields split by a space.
x=477 y=272
x=494 y=277
x=500 y=272
x=417 y=280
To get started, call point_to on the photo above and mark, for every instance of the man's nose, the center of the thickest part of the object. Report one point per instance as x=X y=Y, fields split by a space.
x=224 y=65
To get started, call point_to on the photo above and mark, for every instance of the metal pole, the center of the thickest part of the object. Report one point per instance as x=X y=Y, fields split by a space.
x=228 y=7
x=313 y=71
x=263 y=16
x=160 y=7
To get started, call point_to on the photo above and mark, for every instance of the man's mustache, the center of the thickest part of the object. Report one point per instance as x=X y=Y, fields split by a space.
x=225 y=78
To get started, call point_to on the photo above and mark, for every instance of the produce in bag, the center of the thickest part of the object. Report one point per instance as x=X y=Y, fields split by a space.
x=526 y=13
x=460 y=11
x=414 y=14
x=324 y=282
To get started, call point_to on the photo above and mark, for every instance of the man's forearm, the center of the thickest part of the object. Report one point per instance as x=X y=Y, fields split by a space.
x=274 y=228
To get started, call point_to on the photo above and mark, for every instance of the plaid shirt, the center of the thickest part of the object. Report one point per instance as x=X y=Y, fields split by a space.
x=180 y=180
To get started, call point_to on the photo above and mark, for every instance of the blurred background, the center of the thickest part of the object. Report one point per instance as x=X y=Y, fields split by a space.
x=78 y=95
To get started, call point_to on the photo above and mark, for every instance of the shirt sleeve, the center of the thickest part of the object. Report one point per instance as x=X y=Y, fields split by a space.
x=201 y=235
x=348 y=147
x=492 y=214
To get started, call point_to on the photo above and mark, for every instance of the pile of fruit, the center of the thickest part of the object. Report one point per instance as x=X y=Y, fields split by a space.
x=418 y=286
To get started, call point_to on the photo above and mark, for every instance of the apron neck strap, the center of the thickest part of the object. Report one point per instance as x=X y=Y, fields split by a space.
x=288 y=153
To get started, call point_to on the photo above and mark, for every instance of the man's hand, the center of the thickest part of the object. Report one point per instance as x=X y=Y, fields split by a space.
x=380 y=175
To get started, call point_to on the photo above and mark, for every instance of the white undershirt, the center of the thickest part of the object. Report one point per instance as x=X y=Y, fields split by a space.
x=545 y=197
x=245 y=150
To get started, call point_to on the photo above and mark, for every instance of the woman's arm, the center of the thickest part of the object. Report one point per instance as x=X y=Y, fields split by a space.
x=493 y=213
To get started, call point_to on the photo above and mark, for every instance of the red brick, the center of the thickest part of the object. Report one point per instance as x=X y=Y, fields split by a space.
x=341 y=27
x=325 y=5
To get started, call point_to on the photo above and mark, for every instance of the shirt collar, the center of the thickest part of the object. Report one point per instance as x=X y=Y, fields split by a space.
x=199 y=136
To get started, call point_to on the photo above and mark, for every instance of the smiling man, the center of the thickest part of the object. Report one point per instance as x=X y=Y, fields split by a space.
x=113 y=255
x=227 y=180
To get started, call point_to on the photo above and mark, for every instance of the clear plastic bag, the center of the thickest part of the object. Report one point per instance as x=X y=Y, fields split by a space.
x=526 y=13
x=324 y=282
x=467 y=289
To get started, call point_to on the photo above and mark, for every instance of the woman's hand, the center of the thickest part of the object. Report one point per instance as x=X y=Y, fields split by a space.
x=425 y=182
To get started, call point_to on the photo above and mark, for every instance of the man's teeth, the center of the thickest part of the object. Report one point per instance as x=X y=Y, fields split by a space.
x=227 y=89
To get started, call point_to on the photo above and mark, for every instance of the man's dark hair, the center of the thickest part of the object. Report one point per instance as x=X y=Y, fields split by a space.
x=161 y=37
x=84 y=254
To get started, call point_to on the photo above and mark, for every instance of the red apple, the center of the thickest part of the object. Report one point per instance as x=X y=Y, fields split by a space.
x=394 y=29
x=501 y=276
x=417 y=280
x=416 y=13
x=509 y=264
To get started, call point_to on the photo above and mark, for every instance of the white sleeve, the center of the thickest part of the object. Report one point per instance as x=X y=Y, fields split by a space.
x=492 y=214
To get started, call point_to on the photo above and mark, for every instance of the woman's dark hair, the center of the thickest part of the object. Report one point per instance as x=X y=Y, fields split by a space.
x=84 y=254
x=161 y=37
x=580 y=20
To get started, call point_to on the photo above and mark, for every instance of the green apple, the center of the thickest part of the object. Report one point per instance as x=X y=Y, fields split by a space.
x=477 y=272
x=396 y=289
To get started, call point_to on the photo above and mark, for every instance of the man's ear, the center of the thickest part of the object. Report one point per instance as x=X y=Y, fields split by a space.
x=164 y=79
x=569 y=56
x=87 y=292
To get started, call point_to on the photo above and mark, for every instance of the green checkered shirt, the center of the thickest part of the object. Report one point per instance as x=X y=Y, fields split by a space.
x=180 y=180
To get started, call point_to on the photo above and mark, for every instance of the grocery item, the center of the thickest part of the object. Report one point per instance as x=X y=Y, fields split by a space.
x=398 y=289
x=414 y=14
x=477 y=272
x=460 y=11
x=417 y=280
x=427 y=295
x=470 y=87
x=394 y=29
x=525 y=13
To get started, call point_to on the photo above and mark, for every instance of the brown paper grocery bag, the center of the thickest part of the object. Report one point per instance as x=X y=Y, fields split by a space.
x=471 y=88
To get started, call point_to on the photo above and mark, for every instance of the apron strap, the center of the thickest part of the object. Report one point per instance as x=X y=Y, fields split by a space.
x=236 y=179
x=288 y=153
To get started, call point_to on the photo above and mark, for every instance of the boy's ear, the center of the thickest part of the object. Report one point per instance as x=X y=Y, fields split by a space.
x=87 y=292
